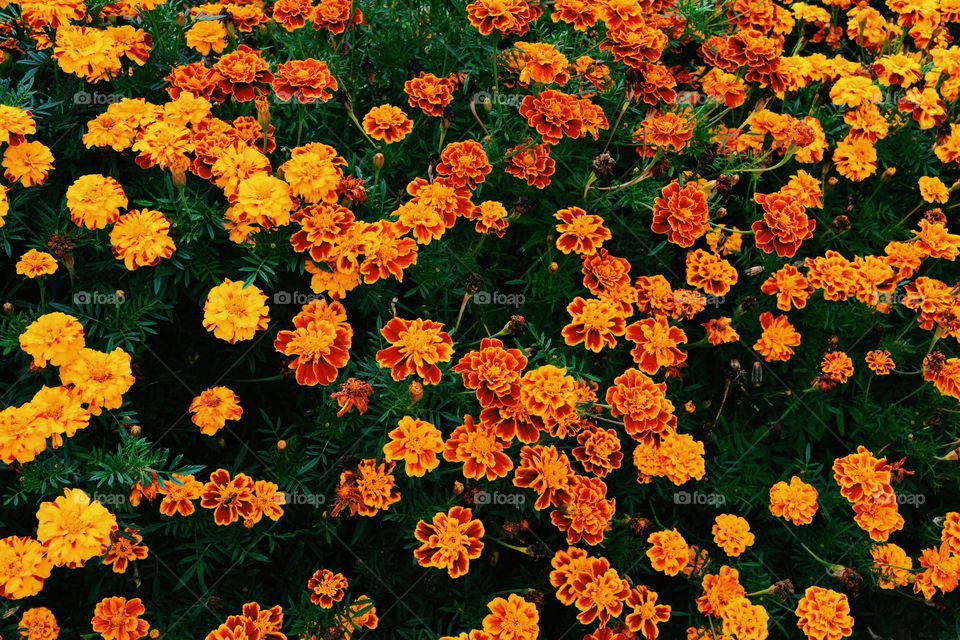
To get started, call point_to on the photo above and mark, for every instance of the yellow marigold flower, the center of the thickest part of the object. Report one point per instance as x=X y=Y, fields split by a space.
x=416 y=443
x=34 y=264
x=450 y=541
x=795 y=502
x=207 y=36
x=263 y=200
x=314 y=173
x=24 y=565
x=388 y=123
x=39 y=623
x=669 y=553
x=933 y=190
x=732 y=534
x=59 y=412
x=744 y=620
x=141 y=238
x=15 y=124
x=234 y=312
x=824 y=614
x=164 y=144
x=212 y=408
x=21 y=439
x=73 y=529
x=101 y=379
x=892 y=565
x=856 y=159
x=54 y=338
x=27 y=162
x=880 y=362
x=88 y=53
x=95 y=201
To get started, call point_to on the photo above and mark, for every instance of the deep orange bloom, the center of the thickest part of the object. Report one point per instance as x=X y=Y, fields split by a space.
x=732 y=534
x=124 y=548
x=179 y=492
x=320 y=342
x=305 y=80
x=600 y=592
x=656 y=344
x=416 y=346
x=595 y=323
x=531 y=162
x=243 y=73
x=784 y=225
x=586 y=512
x=861 y=476
x=505 y=16
x=326 y=587
x=604 y=274
x=580 y=232
x=778 y=338
x=681 y=213
x=416 y=443
x=464 y=164
x=710 y=272
x=553 y=114
x=795 y=502
x=512 y=619
x=480 y=450
x=450 y=541
x=494 y=372
x=669 y=553
x=824 y=614
x=230 y=498
x=646 y=614
x=212 y=408
x=880 y=362
x=546 y=471
x=599 y=451
x=119 y=619
x=790 y=287
x=335 y=15
x=388 y=123
x=643 y=404
x=429 y=93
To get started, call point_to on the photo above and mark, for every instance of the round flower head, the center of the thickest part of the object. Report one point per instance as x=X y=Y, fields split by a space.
x=795 y=502
x=732 y=534
x=326 y=588
x=141 y=238
x=24 y=565
x=450 y=541
x=512 y=618
x=53 y=338
x=824 y=614
x=119 y=619
x=234 y=312
x=101 y=379
x=212 y=408
x=387 y=123
x=27 y=163
x=95 y=201
x=39 y=623
x=73 y=529
x=35 y=264
x=416 y=346
x=416 y=443
x=320 y=342
x=669 y=553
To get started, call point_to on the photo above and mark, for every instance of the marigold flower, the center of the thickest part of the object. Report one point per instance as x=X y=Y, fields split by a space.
x=862 y=476
x=480 y=450
x=836 y=366
x=141 y=238
x=567 y=565
x=745 y=620
x=824 y=614
x=681 y=213
x=352 y=393
x=16 y=123
x=669 y=553
x=230 y=498
x=878 y=516
x=100 y=379
x=450 y=541
x=27 y=163
x=643 y=405
x=234 y=627
x=665 y=132
x=207 y=36
x=546 y=471
x=720 y=331
x=119 y=619
x=367 y=489
x=416 y=346
x=179 y=492
x=548 y=392
x=832 y=273
x=212 y=408
x=388 y=123
x=505 y=16
x=599 y=451
x=24 y=566
x=320 y=341
x=935 y=242
x=243 y=73
x=268 y=621
x=124 y=548
x=268 y=501
x=554 y=115
x=95 y=201
x=235 y=312
x=732 y=534
x=35 y=264
x=306 y=80
x=417 y=443
x=164 y=144
x=941 y=571
x=656 y=344
x=493 y=372
x=335 y=16
x=464 y=164
x=710 y=272
x=580 y=232
x=292 y=14
x=933 y=190
x=542 y=63
x=326 y=587
x=585 y=512
x=38 y=623
x=784 y=225
x=600 y=592
x=314 y=172
x=429 y=93
x=789 y=286
x=594 y=323
x=646 y=614
x=795 y=502
x=512 y=618
x=719 y=590
x=855 y=159
x=778 y=338
x=72 y=529
x=531 y=162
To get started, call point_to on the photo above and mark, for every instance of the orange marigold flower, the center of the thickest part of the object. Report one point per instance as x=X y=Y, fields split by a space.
x=512 y=619
x=320 y=342
x=745 y=620
x=429 y=93
x=720 y=331
x=119 y=619
x=480 y=450
x=494 y=372
x=542 y=63
x=326 y=587
x=352 y=393
x=234 y=311
x=681 y=213
x=553 y=114
x=604 y=274
x=600 y=592
x=314 y=172
x=585 y=512
x=243 y=73
x=27 y=163
x=306 y=80
x=778 y=338
x=124 y=548
x=669 y=553
x=268 y=621
x=580 y=232
x=880 y=362
x=95 y=201
x=599 y=451
x=547 y=471
x=795 y=502
x=24 y=566
x=790 y=287
x=710 y=272
x=656 y=344
x=878 y=515
x=450 y=541
x=548 y=392
x=505 y=16
x=35 y=264
x=834 y=274
x=732 y=534
x=53 y=338
x=39 y=623
x=784 y=225
x=417 y=443
x=935 y=242
x=531 y=162
x=230 y=498
x=933 y=190
x=892 y=566
x=212 y=408
x=101 y=379
x=836 y=366
x=594 y=323
x=292 y=14
x=141 y=238
x=367 y=489
x=207 y=36
x=17 y=123
x=824 y=614
x=719 y=590
x=179 y=492
x=861 y=476
x=491 y=217
x=464 y=164
x=643 y=404
x=267 y=501
x=941 y=571
x=567 y=565
x=386 y=253
x=663 y=132
x=855 y=159
x=73 y=529
x=645 y=613
x=388 y=123
x=416 y=347
x=335 y=16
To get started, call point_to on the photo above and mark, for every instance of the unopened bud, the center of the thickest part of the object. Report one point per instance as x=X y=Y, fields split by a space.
x=416 y=392
x=378 y=160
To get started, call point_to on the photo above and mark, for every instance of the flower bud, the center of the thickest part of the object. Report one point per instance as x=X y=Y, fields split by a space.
x=378 y=160
x=553 y=267
x=281 y=445
x=416 y=392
